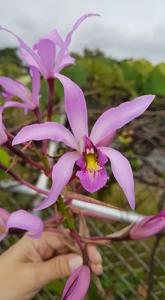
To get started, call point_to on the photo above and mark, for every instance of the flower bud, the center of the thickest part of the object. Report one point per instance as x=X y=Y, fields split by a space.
x=77 y=285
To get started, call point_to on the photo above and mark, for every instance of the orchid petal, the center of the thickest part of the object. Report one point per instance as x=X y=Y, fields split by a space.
x=75 y=107
x=47 y=51
x=25 y=52
x=3 y=135
x=3 y=229
x=76 y=25
x=106 y=142
x=67 y=60
x=122 y=171
x=93 y=181
x=70 y=284
x=49 y=130
x=15 y=88
x=8 y=104
x=55 y=38
x=77 y=285
x=117 y=117
x=4 y=214
x=35 y=85
x=24 y=220
x=61 y=174
x=147 y=227
x=16 y=104
x=162 y=213
x=68 y=38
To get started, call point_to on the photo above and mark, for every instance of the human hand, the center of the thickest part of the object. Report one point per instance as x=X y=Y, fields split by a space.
x=31 y=263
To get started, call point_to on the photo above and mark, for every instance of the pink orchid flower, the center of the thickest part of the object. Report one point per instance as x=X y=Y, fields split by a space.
x=77 y=285
x=3 y=135
x=20 y=219
x=148 y=226
x=90 y=153
x=50 y=54
x=12 y=88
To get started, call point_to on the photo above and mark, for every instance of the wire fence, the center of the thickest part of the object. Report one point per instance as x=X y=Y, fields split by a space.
x=132 y=270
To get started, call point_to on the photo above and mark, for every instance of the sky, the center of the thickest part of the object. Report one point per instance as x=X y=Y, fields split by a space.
x=125 y=29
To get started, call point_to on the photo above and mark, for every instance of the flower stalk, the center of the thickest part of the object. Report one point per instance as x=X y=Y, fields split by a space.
x=64 y=211
x=24 y=157
x=23 y=181
x=51 y=97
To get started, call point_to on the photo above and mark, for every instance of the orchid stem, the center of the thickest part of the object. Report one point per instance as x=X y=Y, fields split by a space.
x=51 y=85
x=23 y=181
x=70 y=225
x=38 y=115
x=77 y=239
x=51 y=98
x=63 y=209
x=24 y=157
x=44 y=160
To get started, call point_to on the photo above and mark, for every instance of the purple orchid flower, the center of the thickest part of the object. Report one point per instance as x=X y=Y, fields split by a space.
x=77 y=285
x=90 y=155
x=3 y=135
x=12 y=88
x=148 y=226
x=20 y=219
x=50 y=54
x=30 y=99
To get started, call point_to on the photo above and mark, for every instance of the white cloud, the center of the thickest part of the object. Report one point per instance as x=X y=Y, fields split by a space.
x=126 y=28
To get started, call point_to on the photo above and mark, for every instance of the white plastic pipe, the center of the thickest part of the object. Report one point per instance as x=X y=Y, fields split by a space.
x=107 y=211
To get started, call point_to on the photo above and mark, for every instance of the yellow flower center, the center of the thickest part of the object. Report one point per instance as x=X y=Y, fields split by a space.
x=91 y=163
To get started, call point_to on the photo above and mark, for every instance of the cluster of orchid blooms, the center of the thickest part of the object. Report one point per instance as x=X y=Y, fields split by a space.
x=85 y=160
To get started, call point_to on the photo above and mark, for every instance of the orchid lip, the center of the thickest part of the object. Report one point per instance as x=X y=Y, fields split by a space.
x=90 y=156
x=91 y=161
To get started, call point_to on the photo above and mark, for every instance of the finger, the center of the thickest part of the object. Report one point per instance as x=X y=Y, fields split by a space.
x=56 y=268
x=94 y=255
x=63 y=250
x=40 y=249
x=54 y=240
x=96 y=269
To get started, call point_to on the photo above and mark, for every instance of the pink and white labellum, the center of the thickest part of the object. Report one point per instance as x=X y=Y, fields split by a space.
x=20 y=219
x=89 y=151
x=148 y=226
x=77 y=285
x=50 y=54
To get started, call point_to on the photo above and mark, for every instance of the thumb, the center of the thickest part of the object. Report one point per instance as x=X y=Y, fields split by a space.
x=57 y=267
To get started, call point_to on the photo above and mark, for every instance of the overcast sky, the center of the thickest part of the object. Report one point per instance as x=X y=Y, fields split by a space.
x=126 y=28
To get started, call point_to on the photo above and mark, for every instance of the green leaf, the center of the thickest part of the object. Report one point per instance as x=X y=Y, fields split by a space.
x=4 y=157
x=56 y=286
x=56 y=118
x=155 y=82
x=78 y=74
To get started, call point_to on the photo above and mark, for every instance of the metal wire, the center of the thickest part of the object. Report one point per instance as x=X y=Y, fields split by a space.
x=125 y=263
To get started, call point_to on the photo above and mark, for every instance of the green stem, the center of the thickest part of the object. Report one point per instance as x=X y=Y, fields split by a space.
x=67 y=218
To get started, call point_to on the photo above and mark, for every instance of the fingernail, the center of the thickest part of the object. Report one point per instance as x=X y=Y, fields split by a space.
x=75 y=262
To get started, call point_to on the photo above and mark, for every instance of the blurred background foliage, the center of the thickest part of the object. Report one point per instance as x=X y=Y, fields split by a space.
x=107 y=82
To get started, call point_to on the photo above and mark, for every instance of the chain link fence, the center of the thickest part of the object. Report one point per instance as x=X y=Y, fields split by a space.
x=132 y=270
